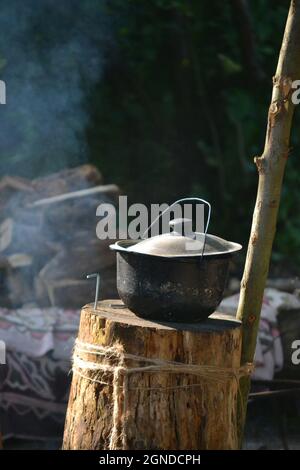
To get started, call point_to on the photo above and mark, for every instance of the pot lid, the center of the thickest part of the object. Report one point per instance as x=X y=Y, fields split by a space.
x=175 y=244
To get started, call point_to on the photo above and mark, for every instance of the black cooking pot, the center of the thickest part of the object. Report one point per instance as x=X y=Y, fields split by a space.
x=174 y=277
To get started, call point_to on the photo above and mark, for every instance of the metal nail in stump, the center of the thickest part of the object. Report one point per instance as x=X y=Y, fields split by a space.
x=97 y=276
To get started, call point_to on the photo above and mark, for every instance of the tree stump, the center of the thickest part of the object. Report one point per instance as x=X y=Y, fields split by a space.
x=164 y=410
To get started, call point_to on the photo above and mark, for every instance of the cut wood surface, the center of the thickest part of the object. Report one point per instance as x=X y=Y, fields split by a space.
x=163 y=410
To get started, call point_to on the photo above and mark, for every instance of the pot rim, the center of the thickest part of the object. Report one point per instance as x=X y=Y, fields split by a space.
x=123 y=245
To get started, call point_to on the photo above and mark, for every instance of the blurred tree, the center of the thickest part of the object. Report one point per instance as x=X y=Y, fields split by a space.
x=181 y=109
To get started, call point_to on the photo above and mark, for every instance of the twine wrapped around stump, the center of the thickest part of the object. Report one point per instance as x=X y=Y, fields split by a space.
x=121 y=371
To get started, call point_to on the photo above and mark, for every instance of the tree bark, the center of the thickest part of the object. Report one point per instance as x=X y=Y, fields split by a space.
x=163 y=410
x=271 y=167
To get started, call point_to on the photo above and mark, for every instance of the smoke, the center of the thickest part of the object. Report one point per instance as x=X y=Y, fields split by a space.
x=51 y=54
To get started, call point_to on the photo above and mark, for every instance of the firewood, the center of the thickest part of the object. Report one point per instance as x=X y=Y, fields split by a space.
x=51 y=230
x=20 y=286
x=68 y=270
x=67 y=293
x=62 y=221
x=72 y=293
x=13 y=190
x=110 y=189
x=14 y=183
x=29 y=239
x=65 y=181
x=76 y=263
x=19 y=260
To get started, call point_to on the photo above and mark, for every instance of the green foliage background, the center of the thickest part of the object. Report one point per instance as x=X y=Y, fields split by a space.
x=179 y=114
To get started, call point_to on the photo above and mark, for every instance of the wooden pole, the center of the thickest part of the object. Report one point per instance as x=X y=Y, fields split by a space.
x=159 y=409
x=271 y=167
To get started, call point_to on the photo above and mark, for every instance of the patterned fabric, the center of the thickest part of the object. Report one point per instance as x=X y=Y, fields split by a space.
x=34 y=382
x=269 y=354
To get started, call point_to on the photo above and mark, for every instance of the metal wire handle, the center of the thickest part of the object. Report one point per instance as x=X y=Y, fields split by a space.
x=177 y=202
x=97 y=276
